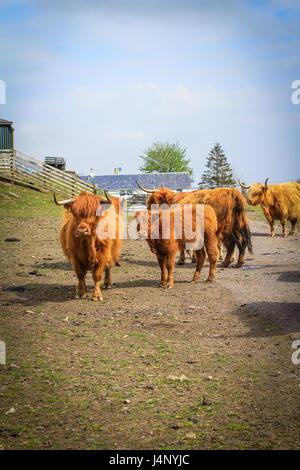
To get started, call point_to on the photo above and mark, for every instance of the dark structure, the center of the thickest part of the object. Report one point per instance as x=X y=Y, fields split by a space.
x=56 y=162
x=6 y=135
x=123 y=183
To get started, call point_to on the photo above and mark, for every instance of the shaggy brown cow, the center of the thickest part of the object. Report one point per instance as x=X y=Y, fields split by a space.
x=230 y=209
x=166 y=248
x=81 y=244
x=278 y=202
x=161 y=196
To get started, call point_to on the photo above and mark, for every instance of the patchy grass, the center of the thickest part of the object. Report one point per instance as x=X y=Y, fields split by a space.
x=30 y=203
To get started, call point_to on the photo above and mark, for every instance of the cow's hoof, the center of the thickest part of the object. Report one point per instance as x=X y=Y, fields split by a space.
x=238 y=265
x=284 y=235
x=170 y=286
x=117 y=263
x=97 y=298
x=224 y=265
x=209 y=280
x=194 y=261
x=80 y=296
x=108 y=286
x=162 y=285
x=180 y=262
x=272 y=235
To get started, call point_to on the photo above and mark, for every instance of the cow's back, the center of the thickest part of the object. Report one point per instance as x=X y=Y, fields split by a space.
x=287 y=198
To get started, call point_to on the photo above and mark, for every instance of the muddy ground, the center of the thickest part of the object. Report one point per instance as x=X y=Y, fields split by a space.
x=196 y=367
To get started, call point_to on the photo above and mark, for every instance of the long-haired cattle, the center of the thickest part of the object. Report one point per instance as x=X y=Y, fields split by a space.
x=230 y=209
x=80 y=241
x=167 y=196
x=278 y=202
x=181 y=227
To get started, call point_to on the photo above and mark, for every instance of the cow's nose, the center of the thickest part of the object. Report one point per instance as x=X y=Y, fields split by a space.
x=83 y=229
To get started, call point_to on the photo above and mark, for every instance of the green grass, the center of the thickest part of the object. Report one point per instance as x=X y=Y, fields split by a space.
x=30 y=203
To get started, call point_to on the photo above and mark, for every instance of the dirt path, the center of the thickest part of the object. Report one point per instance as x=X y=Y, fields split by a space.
x=196 y=367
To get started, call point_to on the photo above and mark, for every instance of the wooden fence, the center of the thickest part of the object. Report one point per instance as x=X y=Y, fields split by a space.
x=21 y=168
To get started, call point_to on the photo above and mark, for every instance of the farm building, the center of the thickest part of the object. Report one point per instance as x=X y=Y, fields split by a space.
x=6 y=135
x=126 y=184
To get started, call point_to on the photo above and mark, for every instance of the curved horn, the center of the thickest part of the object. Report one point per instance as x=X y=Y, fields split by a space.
x=266 y=186
x=63 y=203
x=109 y=200
x=243 y=185
x=145 y=190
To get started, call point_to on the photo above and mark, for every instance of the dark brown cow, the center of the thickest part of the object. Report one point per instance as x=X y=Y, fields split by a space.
x=161 y=196
x=166 y=248
x=230 y=209
x=81 y=244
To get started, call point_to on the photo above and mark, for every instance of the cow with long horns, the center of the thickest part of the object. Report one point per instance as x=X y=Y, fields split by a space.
x=278 y=202
x=84 y=245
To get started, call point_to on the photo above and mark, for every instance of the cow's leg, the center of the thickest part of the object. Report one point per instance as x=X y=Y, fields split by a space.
x=107 y=278
x=293 y=230
x=80 y=271
x=200 y=258
x=230 y=245
x=270 y=220
x=194 y=258
x=232 y=259
x=211 y=245
x=220 y=246
x=163 y=264
x=170 y=268
x=97 y=276
x=283 y=224
x=241 y=258
x=181 y=256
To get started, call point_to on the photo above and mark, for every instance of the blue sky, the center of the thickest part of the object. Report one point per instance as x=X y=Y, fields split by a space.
x=97 y=82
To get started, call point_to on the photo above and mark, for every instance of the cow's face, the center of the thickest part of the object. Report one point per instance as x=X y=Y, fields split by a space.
x=84 y=226
x=256 y=194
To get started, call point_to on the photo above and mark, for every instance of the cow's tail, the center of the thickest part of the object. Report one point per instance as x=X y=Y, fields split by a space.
x=241 y=227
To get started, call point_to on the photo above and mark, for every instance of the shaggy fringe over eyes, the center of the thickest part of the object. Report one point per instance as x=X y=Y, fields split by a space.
x=85 y=205
x=256 y=188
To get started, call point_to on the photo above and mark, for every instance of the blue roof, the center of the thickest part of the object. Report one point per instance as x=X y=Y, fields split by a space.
x=148 y=180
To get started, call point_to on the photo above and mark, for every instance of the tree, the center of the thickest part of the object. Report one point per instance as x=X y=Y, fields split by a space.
x=218 y=172
x=165 y=158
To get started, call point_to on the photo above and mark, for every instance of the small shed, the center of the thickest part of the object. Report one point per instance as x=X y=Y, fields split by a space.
x=6 y=135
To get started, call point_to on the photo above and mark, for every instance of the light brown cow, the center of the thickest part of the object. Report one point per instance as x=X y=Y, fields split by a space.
x=81 y=244
x=278 y=202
